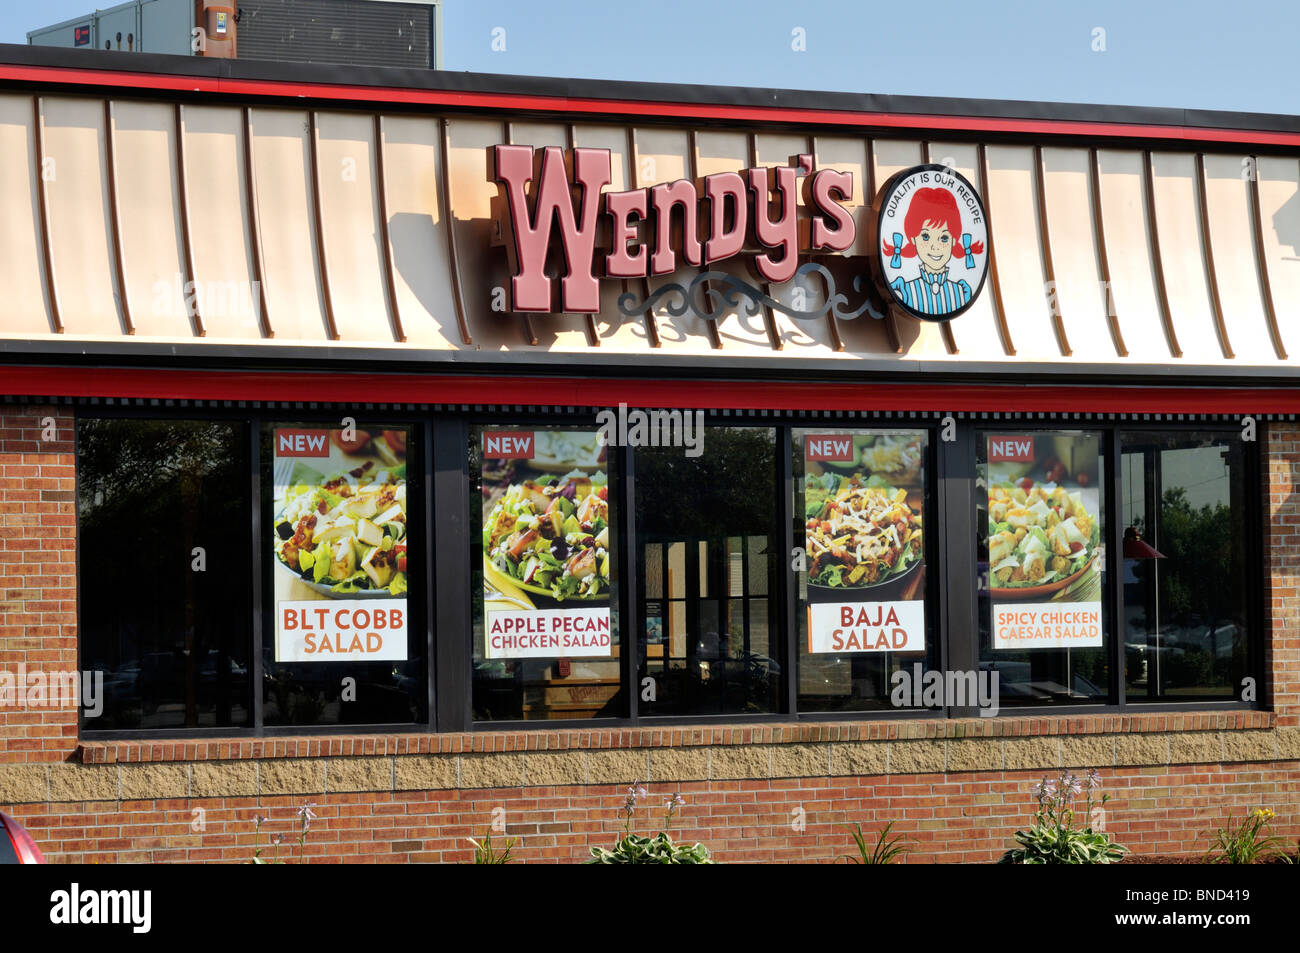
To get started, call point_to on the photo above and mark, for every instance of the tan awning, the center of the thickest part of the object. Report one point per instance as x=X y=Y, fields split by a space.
x=369 y=227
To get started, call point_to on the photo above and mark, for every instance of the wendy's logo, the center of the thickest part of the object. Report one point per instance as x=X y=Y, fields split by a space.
x=932 y=241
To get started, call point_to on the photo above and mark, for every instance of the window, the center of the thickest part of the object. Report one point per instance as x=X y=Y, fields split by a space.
x=343 y=541
x=1188 y=532
x=860 y=511
x=1041 y=527
x=165 y=612
x=546 y=641
x=708 y=575
x=244 y=574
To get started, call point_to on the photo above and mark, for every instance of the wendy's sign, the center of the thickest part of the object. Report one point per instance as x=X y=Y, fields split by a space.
x=933 y=235
x=549 y=194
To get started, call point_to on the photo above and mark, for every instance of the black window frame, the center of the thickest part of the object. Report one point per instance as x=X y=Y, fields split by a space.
x=446 y=612
x=255 y=418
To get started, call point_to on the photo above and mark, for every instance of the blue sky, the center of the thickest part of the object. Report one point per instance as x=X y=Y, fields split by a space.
x=1197 y=54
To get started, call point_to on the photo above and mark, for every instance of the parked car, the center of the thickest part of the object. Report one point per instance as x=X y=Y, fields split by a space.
x=16 y=845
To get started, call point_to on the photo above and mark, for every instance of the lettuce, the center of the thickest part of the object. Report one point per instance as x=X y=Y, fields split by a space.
x=321 y=567
x=354 y=583
x=830 y=576
x=1038 y=534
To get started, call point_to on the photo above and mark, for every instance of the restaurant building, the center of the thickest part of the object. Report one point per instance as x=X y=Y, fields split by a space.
x=450 y=451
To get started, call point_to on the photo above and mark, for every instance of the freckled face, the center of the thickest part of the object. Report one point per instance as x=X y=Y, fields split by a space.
x=933 y=246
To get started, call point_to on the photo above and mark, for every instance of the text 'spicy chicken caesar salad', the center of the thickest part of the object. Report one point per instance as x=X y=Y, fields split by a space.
x=346 y=532
x=1038 y=534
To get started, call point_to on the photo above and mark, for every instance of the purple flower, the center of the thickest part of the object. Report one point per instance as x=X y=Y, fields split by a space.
x=1094 y=779
x=1043 y=790
x=635 y=793
x=674 y=802
x=1070 y=786
x=277 y=840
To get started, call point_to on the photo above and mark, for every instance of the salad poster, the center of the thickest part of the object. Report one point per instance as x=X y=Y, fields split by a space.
x=864 y=493
x=1044 y=544
x=547 y=566
x=339 y=534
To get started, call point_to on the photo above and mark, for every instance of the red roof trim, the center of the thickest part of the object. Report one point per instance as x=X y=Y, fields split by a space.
x=164 y=384
x=558 y=104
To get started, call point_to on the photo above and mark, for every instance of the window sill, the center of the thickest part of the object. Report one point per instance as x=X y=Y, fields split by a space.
x=663 y=736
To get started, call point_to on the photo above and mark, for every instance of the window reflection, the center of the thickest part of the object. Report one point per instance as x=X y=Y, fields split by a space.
x=707 y=565
x=1184 y=568
x=1039 y=481
x=165 y=608
x=347 y=691
x=881 y=475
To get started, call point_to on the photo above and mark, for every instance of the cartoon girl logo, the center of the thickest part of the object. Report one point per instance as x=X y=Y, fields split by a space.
x=932 y=259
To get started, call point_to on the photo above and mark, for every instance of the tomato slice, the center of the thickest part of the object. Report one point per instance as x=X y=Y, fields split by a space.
x=360 y=439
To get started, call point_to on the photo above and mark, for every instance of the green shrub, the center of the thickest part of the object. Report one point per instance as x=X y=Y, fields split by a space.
x=1245 y=843
x=487 y=853
x=886 y=850
x=634 y=849
x=1053 y=838
x=660 y=849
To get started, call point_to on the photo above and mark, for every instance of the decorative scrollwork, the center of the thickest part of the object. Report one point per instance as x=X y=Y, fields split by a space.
x=710 y=292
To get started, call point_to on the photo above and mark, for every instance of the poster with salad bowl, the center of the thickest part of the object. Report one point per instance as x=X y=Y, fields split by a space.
x=1045 y=554
x=339 y=538
x=547 y=566
x=863 y=500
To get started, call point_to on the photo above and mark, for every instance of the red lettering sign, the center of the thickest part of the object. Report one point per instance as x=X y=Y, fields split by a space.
x=508 y=445
x=302 y=443
x=1011 y=449
x=655 y=230
x=530 y=288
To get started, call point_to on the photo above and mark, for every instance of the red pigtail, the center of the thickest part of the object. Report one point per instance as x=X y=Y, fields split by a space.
x=909 y=250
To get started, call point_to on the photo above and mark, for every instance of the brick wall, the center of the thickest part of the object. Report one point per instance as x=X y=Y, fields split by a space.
x=958 y=789
x=38 y=619
x=1282 y=492
x=958 y=817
